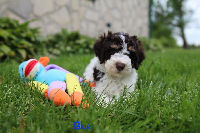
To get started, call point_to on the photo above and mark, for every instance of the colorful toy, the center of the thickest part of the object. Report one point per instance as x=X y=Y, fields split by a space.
x=53 y=81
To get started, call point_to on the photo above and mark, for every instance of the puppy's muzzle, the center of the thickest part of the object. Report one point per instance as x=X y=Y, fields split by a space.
x=120 y=66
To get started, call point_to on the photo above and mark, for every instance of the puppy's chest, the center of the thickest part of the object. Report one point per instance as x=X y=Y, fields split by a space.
x=111 y=87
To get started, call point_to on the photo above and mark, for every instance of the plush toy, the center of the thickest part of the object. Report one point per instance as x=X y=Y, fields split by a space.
x=53 y=81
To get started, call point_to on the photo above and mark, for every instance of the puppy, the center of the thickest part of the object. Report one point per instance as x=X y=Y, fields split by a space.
x=118 y=56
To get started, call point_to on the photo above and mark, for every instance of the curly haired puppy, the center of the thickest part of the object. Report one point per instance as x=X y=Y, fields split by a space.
x=118 y=56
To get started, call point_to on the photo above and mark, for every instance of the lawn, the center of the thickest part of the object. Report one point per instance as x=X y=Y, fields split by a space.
x=166 y=99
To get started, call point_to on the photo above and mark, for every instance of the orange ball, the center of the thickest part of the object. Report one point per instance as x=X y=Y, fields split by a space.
x=76 y=98
x=60 y=97
x=92 y=84
x=45 y=93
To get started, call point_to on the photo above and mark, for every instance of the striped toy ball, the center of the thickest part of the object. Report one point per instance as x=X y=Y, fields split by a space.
x=31 y=68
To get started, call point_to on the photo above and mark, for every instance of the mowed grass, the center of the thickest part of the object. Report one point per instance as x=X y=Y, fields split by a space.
x=166 y=99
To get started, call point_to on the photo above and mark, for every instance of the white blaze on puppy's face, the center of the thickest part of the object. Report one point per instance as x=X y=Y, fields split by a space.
x=124 y=45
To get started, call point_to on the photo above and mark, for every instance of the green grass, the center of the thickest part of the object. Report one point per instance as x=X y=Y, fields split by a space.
x=166 y=99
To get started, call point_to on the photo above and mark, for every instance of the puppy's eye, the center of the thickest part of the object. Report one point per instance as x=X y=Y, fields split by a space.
x=114 y=46
x=131 y=49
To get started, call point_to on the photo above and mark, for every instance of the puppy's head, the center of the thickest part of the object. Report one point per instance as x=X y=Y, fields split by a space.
x=119 y=52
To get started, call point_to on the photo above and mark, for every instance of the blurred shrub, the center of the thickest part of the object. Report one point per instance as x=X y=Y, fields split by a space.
x=168 y=42
x=157 y=44
x=151 y=44
x=18 y=41
x=69 y=42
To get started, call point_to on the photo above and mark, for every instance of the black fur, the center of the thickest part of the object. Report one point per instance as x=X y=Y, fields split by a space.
x=104 y=51
x=102 y=47
x=97 y=74
x=138 y=56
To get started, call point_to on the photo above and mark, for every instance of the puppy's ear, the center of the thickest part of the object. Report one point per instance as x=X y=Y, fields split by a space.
x=98 y=49
x=139 y=51
x=100 y=46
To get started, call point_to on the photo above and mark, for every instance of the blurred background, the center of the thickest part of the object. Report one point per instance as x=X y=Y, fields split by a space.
x=89 y=17
x=29 y=27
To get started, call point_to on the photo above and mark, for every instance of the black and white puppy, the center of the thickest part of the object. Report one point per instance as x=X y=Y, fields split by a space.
x=118 y=56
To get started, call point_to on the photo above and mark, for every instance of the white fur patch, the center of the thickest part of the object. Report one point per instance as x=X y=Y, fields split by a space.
x=88 y=74
x=124 y=45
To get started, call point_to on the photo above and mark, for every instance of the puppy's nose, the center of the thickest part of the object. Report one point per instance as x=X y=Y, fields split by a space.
x=120 y=66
